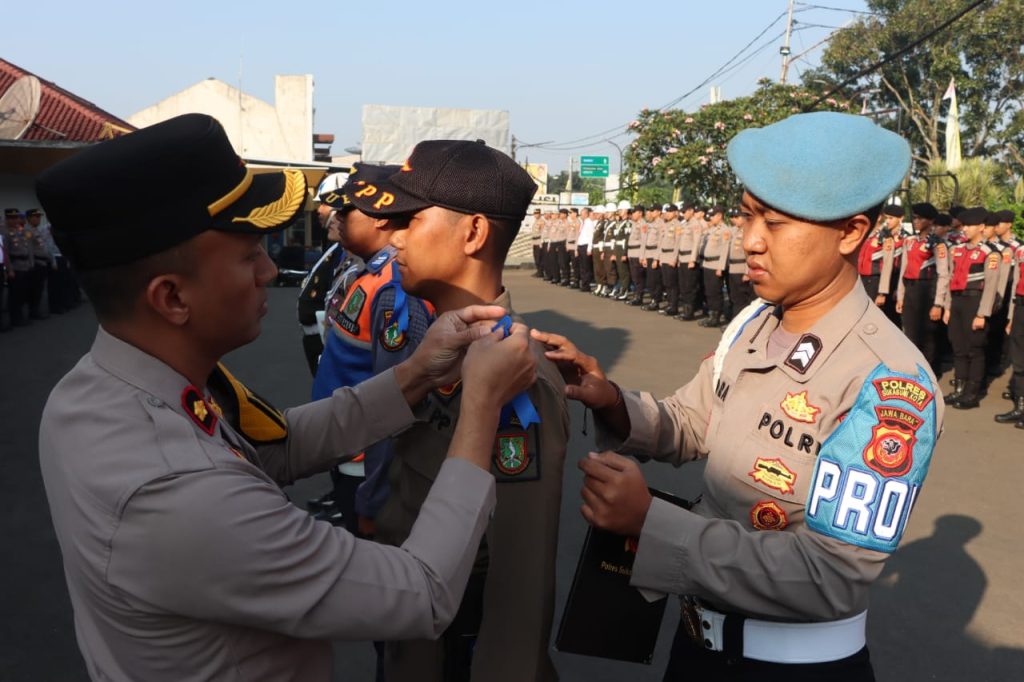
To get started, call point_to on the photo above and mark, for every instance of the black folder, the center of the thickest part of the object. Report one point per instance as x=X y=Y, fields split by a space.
x=604 y=616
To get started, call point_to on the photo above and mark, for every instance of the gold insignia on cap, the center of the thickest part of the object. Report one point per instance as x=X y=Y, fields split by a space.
x=274 y=213
x=232 y=196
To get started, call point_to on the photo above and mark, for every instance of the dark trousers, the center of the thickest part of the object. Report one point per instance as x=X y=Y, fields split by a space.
x=36 y=287
x=918 y=297
x=654 y=285
x=574 y=263
x=600 y=273
x=556 y=253
x=562 y=254
x=740 y=293
x=690 y=662
x=713 y=291
x=670 y=281
x=996 y=338
x=637 y=275
x=1015 y=348
x=19 y=292
x=690 y=285
x=611 y=273
x=586 y=267
x=538 y=259
x=551 y=263
x=622 y=266
x=968 y=344
x=60 y=286
x=871 y=283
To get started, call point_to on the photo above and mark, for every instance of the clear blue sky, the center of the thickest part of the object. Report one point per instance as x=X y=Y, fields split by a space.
x=564 y=69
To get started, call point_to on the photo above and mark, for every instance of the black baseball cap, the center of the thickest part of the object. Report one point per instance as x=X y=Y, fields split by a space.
x=687 y=206
x=150 y=190
x=894 y=210
x=12 y=213
x=714 y=210
x=33 y=212
x=361 y=175
x=460 y=175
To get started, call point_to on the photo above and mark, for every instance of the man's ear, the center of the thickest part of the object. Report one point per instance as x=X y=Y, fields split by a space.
x=478 y=231
x=854 y=230
x=166 y=296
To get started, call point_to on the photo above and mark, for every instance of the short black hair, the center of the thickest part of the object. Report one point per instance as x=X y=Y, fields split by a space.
x=114 y=291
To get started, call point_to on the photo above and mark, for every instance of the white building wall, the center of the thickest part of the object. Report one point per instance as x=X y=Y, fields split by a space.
x=257 y=130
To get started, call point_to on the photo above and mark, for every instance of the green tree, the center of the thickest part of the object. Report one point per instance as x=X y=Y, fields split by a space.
x=981 y=51
x=687 y=149
x=980 y=182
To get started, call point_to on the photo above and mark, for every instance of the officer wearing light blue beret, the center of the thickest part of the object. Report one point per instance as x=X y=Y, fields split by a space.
x=817 y=417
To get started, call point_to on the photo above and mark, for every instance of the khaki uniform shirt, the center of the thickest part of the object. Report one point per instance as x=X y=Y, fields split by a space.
x=184 y=558
x=689 y=242
x=558 y=230
x=572 y=232
x=737 y=255
x=669 y=244
x=815 y=457
x=651 y=240
x=546 y=225
x=521 y=542
x=535 y=227
x=635 y=243
x=716 y=246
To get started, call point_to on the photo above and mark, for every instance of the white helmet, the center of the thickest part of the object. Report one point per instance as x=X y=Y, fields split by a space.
x=609 y=207
x=624 y=205
x=331 y=183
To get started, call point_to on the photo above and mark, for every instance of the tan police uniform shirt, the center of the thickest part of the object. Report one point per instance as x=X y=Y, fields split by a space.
x=716 y=246
x=669 y=245
x=737 y=264
x=689 y=242
x=814 y=459
x=651 y=240
x=521 y=541
x=186 y=561
x=635 y=242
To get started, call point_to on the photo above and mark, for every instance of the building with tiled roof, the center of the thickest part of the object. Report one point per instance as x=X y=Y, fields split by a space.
x=64 y=116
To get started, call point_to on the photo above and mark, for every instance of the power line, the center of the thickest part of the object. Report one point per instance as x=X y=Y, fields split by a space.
x=882 y=62
x=837 y=9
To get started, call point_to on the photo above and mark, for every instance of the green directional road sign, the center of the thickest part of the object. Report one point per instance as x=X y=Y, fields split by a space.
x=593 y=166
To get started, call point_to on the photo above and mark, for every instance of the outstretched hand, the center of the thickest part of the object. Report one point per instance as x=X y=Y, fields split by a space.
x=585 y=381
x=615 y=495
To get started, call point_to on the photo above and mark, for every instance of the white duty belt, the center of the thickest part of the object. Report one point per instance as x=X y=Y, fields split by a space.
x=778 y=642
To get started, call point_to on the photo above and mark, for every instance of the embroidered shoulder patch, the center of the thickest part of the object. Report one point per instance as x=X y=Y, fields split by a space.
x=768 y=515
x=774 y=474
x=796 y=407
x=391 y=337
x=872 y=467
x=804 y=353
x=198 y=410
x=515 y=457
x=349 y=318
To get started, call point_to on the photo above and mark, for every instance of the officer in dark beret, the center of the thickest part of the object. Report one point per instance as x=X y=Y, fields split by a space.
x=184 y=558
x=924 y=277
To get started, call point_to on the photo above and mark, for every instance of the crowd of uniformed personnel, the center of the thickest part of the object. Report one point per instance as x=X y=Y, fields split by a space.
x=951 y=280
x=31 y=264
x=685 y=261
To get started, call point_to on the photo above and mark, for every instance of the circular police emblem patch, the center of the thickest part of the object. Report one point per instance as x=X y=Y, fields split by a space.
x=392 y=337
x=890 y=451
x=768 y=515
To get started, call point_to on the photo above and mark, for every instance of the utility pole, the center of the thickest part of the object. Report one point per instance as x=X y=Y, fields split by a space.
x=784 y=50
x=568 y=184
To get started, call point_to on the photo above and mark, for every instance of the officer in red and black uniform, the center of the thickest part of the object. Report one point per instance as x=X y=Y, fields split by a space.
x=875 y=262
x=974 y=273
x=924 y=279
x=1000 y=237
x=1015 y=343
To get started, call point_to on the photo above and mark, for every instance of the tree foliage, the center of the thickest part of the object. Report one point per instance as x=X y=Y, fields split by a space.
x=981 y=51
x=687 y=149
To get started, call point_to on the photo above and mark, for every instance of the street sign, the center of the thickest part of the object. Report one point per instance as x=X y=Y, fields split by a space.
x=593 y=166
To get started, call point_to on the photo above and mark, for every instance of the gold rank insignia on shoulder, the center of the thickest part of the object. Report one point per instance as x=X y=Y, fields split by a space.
x=197 y=409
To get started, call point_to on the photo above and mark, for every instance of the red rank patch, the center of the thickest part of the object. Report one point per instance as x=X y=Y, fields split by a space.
x=768 y=515
x=198 y=409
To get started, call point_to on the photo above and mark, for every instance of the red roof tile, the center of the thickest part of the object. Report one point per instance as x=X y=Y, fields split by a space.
x=64 y=116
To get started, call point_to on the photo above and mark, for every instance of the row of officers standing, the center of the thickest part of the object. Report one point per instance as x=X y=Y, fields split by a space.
x=952 y=283
x=685 y=261
x=951 y=280
x=31 y=264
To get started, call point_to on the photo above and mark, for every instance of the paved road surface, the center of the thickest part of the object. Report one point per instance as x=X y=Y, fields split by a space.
x=949 y=606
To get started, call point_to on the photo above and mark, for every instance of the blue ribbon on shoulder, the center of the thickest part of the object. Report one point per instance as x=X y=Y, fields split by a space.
x=521 y=405
x=401 y=310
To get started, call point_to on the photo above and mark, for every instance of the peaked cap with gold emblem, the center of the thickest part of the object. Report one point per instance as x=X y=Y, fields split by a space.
x=145 y=192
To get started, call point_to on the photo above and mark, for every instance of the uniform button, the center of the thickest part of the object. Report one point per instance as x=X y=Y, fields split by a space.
x=154 y=401
x=870 y=328
x=707 y=643
x=707 y=625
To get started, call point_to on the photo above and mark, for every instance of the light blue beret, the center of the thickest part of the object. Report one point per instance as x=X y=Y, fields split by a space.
x=820 y=166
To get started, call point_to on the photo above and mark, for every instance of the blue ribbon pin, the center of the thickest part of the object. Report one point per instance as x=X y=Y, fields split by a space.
x=521 y=405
